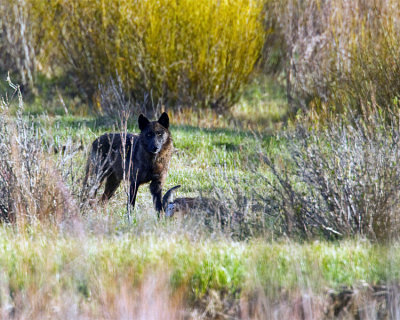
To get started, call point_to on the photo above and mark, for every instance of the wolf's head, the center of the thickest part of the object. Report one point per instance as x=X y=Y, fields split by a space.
x=154 y=134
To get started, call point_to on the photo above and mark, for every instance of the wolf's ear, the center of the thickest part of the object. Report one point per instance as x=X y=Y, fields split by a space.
x=143 y=122
x=164 y=120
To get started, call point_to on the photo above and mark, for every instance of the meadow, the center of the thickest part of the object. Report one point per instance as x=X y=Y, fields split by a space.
x=64 y=262
x=284 y=113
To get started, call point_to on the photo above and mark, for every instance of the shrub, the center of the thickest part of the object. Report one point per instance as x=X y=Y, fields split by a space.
x=196 y=53
x=273 y=58
x=31 y=186
x=342 y=180
x=20 y=38
x=368 y=69
x=338 y=54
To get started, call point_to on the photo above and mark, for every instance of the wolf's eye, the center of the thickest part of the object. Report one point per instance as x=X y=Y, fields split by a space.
x=149 y=135
x=159 y=134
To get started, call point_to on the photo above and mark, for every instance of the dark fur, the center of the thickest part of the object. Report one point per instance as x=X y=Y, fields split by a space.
x=147 y=157
x=210 y=209
x=183 y=206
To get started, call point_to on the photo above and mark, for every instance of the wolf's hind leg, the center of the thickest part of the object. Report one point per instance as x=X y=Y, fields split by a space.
x=111 y=186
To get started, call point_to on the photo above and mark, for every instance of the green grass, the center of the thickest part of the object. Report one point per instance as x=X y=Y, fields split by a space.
x=203 y=158
x=320 y=265
x=263 y=105
x=31 y=261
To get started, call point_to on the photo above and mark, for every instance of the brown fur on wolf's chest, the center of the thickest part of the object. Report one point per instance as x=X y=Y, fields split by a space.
x=161 y=163
x=150 y=168
x=140 y=158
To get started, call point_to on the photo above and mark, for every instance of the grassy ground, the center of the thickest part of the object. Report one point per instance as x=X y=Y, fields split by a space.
x=211 y=149
x=99 y=266
x=104 y=276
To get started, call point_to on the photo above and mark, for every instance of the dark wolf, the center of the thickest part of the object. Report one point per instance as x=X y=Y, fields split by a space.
x=138 y=158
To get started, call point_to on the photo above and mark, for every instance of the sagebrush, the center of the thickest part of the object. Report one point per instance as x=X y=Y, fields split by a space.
x=340 y=180
x=32 y=186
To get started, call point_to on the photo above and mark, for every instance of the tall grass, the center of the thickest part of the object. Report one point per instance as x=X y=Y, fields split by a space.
x=48 y=275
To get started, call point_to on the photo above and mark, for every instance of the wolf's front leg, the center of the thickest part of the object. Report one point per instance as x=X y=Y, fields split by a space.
x=155 y=189
x=132 y=193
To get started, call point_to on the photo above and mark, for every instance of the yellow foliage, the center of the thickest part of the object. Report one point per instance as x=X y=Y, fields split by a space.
x=187 y=52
